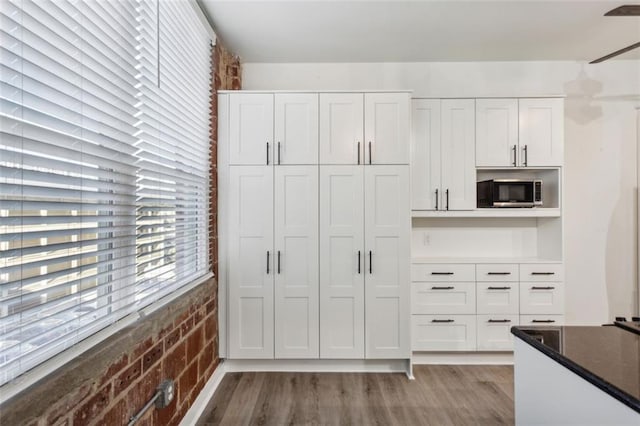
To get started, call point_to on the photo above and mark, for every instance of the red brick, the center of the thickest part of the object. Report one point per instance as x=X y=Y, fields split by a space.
x=198 y=316
x=186 y=326
x=140 y=393
x=152 y=356
x=171 y=339
x=205 y=360
x=93 y=407
x=67 y=403
x=210 y=327
x=116 y=415
x=188 y=380
x=163 y=416
x=181 y=318
x=114 y=369
x=194 y=344
x=175 y=361
x=142 y=348
x=127 y=377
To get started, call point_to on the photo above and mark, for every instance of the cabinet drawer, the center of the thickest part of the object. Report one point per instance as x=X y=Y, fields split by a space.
x=494 y=332
x=497 y=298
x=444 y=332
x=497 y=272
x=541 y=272
x=541 y=320
x=443 y=298
x=541 y=298
x=443 y=272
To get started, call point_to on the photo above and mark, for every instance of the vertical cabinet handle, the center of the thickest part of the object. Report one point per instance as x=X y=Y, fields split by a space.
x=278 y=152
x=526 y=157
x=267 y=153
x=369 y=152
x=359 y=261
x=514 y=155
x=278 y=261
x=447 y=194
x=437 y=199
x=267 y=262
x=358 y=152
x=370 y=263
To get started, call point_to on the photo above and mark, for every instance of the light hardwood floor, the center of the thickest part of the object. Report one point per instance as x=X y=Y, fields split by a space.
x=440 y=395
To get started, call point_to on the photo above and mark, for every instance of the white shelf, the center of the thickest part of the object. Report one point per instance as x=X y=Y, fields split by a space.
x=422 y=260
x=495 y=212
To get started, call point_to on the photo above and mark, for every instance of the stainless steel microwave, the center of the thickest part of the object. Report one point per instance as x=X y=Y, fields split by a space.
x=509 y=193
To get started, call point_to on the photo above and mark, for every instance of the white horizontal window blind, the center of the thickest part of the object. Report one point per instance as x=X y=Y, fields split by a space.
x=104 y=164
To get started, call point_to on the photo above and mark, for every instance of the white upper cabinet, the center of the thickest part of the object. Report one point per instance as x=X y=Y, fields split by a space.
x=458 y=173
x=425 y=154
x=342 y=262
x=341 y=128
x=496 y=132
x=296 y=128
x=250 y=129
x=387 y=258
x=251 y=261
x=296 y=262
x=541 y=132
x=386 y=130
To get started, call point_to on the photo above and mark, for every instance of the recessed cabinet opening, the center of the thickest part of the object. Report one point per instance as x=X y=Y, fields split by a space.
x=487 y=239
x=550 y=182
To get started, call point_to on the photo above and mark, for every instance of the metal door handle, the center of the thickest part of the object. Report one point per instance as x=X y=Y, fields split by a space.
x=442 y=273
x=369 y=152
x=498 y=273
x=370 y=262
x=443 y=288
x=439 y=320
x=514 y=155
x=447 y=194
x=267 y=153
x=500 y=320
x=436 y=199
x=278 y=152
x=544 y=321
x=278 y=261
x=358 y=261
x=542 y=288
x=498 y=288
x=358 y=152
x=526 y=159
x=268 y=262
x=543 y=273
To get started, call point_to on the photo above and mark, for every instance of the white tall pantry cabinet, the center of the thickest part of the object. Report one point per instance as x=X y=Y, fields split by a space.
x=314 y=225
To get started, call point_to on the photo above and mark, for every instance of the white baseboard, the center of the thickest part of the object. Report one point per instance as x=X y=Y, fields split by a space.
x=319 y=365
x=463 y=358
x=200 y=404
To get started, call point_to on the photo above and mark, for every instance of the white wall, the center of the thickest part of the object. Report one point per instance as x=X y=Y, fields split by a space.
x=600 y=160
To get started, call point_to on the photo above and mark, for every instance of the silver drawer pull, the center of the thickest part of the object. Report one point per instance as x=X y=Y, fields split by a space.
x=498 y=273
x=498 y=288
x=499 y=321
x=443 y=288
x=543 y=273
x=442 y=273
x=543 y=321
x=542 y=288
x=442 y=321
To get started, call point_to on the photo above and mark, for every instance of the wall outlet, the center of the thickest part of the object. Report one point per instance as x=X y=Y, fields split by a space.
x=165 y=393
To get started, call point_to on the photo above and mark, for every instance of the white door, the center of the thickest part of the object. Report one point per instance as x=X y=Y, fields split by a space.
x=250 y=260
x=296 y=128
x=541 y=132
x=425 y=154
x=250 y=128
x=386 y=128
x=342 y=265
x=341 y=128
x=458 y=154
x=296 y=262
x=387 y=226
x=496 y=132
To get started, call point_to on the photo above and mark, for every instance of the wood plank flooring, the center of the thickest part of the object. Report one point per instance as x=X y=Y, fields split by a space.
x=440 y=395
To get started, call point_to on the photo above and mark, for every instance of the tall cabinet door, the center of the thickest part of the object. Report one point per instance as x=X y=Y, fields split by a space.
x=387 y=227
x=425 y=154
x=251 y=129
x=386 y=131
x=496 y=132
x=296 y=128
x=250 y=260
x=296 y=244
x=458 y=154
x=341 y=128
x=541 y=132
x=342 y=265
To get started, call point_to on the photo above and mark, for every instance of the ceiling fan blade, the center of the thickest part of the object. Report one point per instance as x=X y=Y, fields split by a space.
x=616 y=53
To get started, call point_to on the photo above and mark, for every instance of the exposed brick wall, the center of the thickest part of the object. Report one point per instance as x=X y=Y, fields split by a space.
x=113 y=381
x=226 y=76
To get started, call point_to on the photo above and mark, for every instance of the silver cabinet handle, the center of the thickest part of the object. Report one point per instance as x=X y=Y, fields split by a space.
x=358 y=152
x=498 y=273
x=442 y=288
x=526 y=159
x=499 y=321
x=267 y=153
x=437 y=199
x=370 y=262
x=543 y=273
x=442 y=273
x=278 y=152
x=442 y=321
x=447 y=194
x=359 y=261
x=542 y=288
x=499 y=288
x=369 y=152
x=268 y=262
x=543 y=321
x=514 y=155
x=278 y=261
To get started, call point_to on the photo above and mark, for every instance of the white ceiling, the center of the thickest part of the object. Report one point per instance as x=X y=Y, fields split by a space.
x=417 y=31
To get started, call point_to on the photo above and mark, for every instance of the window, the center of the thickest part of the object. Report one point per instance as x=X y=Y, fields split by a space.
x=104 y=165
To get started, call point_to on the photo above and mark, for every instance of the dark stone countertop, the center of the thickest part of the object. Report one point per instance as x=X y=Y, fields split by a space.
x=608 y=357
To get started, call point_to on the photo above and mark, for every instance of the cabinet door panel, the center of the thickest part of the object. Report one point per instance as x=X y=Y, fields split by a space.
x=387 y=225
x=341 y=262
x=541 y=132
x=296 y=128
x=425 y=154
x=296 y=258
x=444 y=332
x=386 y=131
x=341 y=128
x=458 y=154
x=496 y=132
x=250 y=128
x=250 y=238
x=494 y=332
